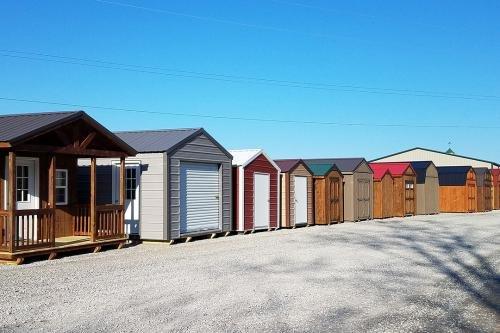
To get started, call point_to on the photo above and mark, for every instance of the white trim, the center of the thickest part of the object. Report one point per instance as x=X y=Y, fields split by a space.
x=241 y=196
x=36 y=185
x=256 y=154
x=253 y=204
x=115 y=164
x=66 y=187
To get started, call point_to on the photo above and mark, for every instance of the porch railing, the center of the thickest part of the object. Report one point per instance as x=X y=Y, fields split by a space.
x=33 y=228
x=81 y=221
x=109 y=221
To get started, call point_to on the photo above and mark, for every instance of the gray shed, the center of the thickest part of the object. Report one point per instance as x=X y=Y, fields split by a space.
x=427 y=187
x=177 y=186
x=358 y=186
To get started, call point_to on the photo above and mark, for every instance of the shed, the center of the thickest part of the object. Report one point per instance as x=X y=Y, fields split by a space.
x=328 y=193
x=177 y=186
x=484 y=186
x=427 y=188
x=457 y=189
x=255 y=190
x=405 y=179
x=358 y=186
x=496 y=188
x=296 y=195
x=383 y=192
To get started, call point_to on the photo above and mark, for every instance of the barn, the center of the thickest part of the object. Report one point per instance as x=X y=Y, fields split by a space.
x=457 y=189
x=296 y=196
x=496 y=188
x=358 y=186
x=405 y=179
x=255 y=191
x=484 y=187
x=328 y=193
x=177 y=186
x=439 y=158
x=383 y=192
x=427 y=188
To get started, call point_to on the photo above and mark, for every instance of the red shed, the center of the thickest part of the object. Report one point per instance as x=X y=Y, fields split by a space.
x=255 y=191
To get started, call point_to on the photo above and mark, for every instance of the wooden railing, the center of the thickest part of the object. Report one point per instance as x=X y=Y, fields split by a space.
x=4 y=230
x=34 y=228
x=81 y=221
x=110 y=222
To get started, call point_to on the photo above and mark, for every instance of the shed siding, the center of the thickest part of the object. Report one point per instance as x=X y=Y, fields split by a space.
x=260 y=164
x=455 y=199
x=383 y=197
x=428 y=193
x=323 y=199
x=439 y=159
x=283 y=195
x=200 y=149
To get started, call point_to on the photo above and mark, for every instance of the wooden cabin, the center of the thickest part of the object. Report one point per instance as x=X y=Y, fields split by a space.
x=457 y=189
x=255 y=191
x=296 y=196
x=427 y=188
x=40 y=211
x=383 y=192
x=178 y=185
x=405 y=178
x=358 y=186
x=484 y=186
x=328 y=193
x=496 y=188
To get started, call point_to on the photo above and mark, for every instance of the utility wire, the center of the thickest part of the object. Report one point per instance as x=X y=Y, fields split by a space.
x=266 y=120
x=240 y=79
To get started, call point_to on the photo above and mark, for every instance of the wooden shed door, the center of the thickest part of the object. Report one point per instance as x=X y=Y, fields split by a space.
x=471 y=197
x=334 y=199
x=409 y=197
x=363 y=199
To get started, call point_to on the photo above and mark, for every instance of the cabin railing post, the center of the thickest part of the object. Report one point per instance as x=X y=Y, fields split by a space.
x=93 y=199
x=122 y=196
x=52 y=199
x=11 y=200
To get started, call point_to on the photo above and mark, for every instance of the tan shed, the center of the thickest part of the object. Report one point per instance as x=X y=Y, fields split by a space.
x=328 y=193
x=427 y=189
x=296 y=195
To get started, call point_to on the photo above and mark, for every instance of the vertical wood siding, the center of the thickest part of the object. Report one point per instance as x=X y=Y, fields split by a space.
x=300 y=170
x=260 y=164
x=200 y=149
x=455 y=199
x=323 y=198
x=383 y=197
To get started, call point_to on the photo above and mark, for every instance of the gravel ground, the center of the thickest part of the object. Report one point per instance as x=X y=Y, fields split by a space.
x=425 y=273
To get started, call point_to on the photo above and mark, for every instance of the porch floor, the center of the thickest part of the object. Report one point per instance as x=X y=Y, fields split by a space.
x=63 y=244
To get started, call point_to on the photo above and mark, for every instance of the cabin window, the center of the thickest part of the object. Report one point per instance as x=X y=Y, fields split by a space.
x=131 y=183
x=409 y=185
x=22 y=183
x=61 y=187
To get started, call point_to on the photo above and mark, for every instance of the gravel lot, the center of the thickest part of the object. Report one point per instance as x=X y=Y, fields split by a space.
x=425 y=273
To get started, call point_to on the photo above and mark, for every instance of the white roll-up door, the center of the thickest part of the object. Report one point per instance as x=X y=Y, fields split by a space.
x=200 y=197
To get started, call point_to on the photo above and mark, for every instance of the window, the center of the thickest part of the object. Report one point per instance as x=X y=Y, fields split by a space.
x=409 y=185
x=61 y=187
x=131 y=183
x=22 y=183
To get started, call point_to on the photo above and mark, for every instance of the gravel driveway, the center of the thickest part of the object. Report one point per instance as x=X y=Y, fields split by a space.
x=425 y=273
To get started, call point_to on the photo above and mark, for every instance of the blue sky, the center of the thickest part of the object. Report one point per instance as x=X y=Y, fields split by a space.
x=435 y=46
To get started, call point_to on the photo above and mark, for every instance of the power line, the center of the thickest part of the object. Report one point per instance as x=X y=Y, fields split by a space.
x=240 y=79
x=233 y=118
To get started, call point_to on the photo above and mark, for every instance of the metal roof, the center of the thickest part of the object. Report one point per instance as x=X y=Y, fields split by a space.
x=379 y=170
x=344 y=164
x=438 y=152
x=155 y=141
x=14 y=127
x=420 y=168
x=243 y=157
x=287 y=165
x=453 y=175
x=321 y=169
x=397 y=169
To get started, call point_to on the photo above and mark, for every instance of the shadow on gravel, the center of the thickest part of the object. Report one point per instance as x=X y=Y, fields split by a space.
x=440 y=250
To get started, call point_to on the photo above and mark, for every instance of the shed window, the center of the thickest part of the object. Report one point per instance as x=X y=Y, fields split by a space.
x=61 y=187
x=131 y=183
x=22 y=183
x=409 y=185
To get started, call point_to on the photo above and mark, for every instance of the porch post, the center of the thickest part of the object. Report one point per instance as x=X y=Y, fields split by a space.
x=122 y=195
x=93 y=202
x=52 y=198
x=11 y=199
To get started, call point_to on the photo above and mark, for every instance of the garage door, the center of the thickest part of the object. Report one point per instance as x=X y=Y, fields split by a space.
x=200 y=197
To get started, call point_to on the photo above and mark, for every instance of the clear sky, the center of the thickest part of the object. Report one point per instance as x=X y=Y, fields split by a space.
x=349 y=52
